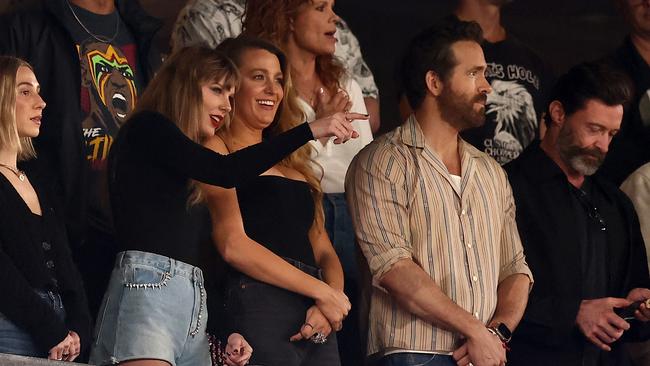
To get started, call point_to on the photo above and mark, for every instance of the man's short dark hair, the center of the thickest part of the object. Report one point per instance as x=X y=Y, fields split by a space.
x=430 y=50
x=591 y=80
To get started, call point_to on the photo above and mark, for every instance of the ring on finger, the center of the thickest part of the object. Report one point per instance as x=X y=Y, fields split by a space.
x=318 y=338
x=308 y=325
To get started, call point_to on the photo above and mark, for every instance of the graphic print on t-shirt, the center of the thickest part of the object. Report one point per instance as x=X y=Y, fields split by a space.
x=511 y=109
x=108 y=95
x=514 y=114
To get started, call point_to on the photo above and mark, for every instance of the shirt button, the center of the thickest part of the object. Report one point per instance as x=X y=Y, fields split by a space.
x=476 y=314
x=474 y=278
x=46 y=246
x=49 y=264
x=462 y=212
x=469 y=245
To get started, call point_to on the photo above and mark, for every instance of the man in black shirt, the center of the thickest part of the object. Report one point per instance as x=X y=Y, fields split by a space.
x=93 y=58
x=519 y=80
x=580 y=233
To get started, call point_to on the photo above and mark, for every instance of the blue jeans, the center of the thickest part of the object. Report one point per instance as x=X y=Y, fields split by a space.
x=338 y=225
x=16 y=341
x=416 y=359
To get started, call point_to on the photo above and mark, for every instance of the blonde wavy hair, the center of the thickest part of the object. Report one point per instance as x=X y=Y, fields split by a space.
x=175 y=92
x=288 y=116
x=8 y=128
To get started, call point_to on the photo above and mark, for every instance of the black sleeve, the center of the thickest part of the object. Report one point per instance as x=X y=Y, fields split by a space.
x=550 y=320
x=164 y=143
x=73 y=296
x=26 y=309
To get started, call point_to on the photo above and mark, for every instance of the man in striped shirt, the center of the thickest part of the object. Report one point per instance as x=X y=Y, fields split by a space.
x=435 y=217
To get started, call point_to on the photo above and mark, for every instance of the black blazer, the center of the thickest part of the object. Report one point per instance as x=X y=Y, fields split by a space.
x=548 y=335
x=23 y=269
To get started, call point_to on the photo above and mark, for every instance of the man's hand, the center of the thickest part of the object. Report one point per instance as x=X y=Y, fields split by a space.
x=482 y=349
x=598 y=322
x=640 y=294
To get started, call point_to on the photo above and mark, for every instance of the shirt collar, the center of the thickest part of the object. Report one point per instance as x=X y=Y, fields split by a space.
x=412 y=135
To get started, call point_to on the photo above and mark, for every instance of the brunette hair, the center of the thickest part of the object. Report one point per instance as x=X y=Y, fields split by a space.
x=271 y=20
x=9 y=66
x=288 y=115
x=175 y=91
x=430 y=50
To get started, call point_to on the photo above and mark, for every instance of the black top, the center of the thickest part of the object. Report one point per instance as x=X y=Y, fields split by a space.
x=150 y=168
x=34 y=254
x=278 y=212
x=520 y=83
x=629 y=148
x=555 y=235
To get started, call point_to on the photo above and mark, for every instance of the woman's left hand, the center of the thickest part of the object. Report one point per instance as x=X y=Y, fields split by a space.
x=238 y=351
x=315 y=322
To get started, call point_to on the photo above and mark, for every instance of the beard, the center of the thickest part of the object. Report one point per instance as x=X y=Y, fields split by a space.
x=584 y=160
x=458 y=109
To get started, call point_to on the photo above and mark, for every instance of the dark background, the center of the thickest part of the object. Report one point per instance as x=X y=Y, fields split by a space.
x=563 y=32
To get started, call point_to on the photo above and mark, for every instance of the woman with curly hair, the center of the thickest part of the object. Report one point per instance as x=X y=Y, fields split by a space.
x=275 y=288
x=305 y=31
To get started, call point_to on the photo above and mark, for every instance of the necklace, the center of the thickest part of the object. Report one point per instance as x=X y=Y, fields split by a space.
x=19 y=173
x=95 y=36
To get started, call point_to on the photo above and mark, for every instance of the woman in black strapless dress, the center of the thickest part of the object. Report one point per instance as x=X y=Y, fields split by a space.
x=283 y=264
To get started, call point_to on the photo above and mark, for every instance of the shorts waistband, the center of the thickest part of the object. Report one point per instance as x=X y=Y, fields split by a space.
x=170 y=265
x=310 y=270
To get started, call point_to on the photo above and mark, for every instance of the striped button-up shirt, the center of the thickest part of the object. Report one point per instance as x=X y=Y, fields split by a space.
x=404 y=205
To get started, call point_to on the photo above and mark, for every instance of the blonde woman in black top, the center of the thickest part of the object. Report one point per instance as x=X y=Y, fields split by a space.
x=44 y=311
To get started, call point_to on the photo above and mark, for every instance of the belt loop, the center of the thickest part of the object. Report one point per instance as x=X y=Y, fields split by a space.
x=172 y=267
x=120 y=259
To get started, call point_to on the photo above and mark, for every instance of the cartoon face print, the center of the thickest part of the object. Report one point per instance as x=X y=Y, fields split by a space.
x=112 y=77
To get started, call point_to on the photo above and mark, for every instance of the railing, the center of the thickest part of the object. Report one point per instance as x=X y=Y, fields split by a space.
x=12 y=360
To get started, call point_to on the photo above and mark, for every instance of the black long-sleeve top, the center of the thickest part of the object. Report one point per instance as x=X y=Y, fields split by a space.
x=150 y=167
x=34 y=255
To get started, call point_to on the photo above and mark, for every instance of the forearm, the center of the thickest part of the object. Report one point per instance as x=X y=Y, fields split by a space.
x=256 y=261
x=332 y=270
x=416 y=292
x=512 y=297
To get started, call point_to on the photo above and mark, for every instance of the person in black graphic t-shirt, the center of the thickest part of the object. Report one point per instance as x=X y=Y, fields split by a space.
x=519 y=81
x=92 y=58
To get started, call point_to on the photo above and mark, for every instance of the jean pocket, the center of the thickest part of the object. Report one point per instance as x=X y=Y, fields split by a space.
x=144 y=277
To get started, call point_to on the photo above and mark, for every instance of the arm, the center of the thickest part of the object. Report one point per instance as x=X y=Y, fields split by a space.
x=326 y=257
x=163 y=142
x=253 y=259
x=515 y=278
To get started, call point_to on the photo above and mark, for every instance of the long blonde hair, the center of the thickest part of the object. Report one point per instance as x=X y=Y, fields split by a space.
x=288 y=116
x=175 y=91
x=8 y=128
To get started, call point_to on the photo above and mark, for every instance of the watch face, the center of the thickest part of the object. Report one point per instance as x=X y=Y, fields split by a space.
x=504 y=331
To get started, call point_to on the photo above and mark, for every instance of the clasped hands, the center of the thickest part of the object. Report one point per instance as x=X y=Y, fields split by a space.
x=323 y=317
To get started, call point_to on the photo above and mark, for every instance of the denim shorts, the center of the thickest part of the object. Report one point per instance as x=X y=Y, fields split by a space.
x=154 y=308
x=16 y=341
x=267 y=316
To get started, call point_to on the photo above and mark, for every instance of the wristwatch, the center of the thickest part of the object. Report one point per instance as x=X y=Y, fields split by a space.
x=502 y=331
